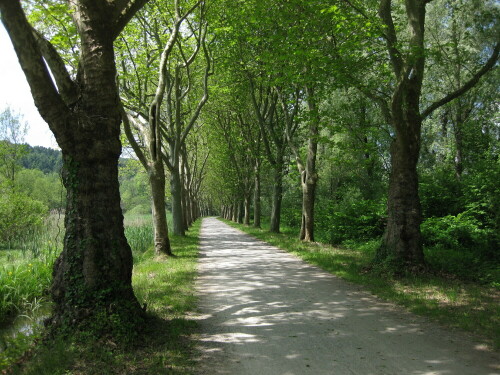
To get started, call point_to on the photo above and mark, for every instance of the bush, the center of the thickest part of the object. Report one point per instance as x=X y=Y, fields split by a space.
x=351 y=218
x=462 y=246
x=456 y=232
x=19 y=214
x=360 y=220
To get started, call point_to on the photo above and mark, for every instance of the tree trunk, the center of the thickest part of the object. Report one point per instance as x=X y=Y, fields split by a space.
x=177 y=214
x=277 y=197
x=184 y=200
x=402 y=241
x=92 y=277
x=94 y=271
x=241 y=211
x=234 y=212
x=309 y=176
x=157 y=182
x=256 y=197
x=308 y=197
x=246 y=219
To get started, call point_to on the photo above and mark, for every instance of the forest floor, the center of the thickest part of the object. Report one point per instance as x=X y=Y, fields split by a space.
x=264 y=311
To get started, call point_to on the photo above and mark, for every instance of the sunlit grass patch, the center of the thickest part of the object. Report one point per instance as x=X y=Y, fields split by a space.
x=166 y=286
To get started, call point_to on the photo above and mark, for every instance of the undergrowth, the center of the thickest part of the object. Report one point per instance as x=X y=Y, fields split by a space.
x=165 y=286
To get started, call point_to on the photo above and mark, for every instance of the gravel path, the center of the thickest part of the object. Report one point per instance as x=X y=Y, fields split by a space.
x=264 y=311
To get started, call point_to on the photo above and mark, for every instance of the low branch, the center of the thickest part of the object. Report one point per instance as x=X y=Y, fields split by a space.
x=131 y=139
x=67 y=88
x=47 y=99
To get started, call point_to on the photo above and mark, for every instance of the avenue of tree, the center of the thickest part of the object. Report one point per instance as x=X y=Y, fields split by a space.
x=347 y=120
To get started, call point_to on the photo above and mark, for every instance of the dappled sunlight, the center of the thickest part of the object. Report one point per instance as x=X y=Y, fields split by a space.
x=266 y=312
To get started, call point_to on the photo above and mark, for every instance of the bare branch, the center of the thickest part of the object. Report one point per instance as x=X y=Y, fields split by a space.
x=489 y=65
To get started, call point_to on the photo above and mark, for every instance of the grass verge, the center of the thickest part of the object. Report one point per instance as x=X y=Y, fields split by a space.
x=166 y=285
x=450 y=301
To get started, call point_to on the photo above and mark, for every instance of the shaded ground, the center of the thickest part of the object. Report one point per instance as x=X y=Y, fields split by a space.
x=264 y=311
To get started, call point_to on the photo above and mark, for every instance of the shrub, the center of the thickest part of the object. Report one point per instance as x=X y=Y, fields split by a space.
x=455 y=232
x=19 y=214
x=462 y=246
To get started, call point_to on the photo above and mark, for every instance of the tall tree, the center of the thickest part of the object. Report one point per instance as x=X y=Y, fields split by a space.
x=93 y=273
x=402 y=240
x=172 y=112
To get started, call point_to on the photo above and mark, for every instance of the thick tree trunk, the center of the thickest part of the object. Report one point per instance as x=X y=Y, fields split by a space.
x=94 y=271
x=177 y=214
x=92 y=277
x=157 y=183
x=402 y=242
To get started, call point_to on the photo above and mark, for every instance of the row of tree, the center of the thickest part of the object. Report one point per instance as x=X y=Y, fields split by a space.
x=298 y=77
x=288 y=80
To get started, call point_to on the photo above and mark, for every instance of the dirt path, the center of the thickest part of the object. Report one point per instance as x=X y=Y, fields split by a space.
x=266 y=312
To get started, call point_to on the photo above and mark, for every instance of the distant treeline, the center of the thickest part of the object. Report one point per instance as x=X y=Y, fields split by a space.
x=45 y=159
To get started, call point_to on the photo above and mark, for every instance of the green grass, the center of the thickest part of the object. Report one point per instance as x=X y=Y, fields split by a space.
x=455 y=303
x=26 y=269
x=166 y=285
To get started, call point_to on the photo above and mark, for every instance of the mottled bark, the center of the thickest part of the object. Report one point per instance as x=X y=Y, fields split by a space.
x=177 y=212
x=93 y=273
x=402 y=241
x=157 y=182
x=309 y=176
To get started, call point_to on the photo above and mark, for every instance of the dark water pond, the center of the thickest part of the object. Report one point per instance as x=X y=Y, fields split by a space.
x=24 y=324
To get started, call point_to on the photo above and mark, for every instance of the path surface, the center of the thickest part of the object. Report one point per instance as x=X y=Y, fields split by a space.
x=266 y=312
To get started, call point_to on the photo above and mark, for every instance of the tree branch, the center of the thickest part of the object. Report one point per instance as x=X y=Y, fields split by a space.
x=130 y=136
x=125 y=10
x=390 y=36
x=67 y=88
x=489 y=65
x=48 y=101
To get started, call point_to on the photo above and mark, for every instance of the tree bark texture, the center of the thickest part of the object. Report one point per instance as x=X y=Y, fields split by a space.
x=309 y=177
x=177 y=213
x=402 y=240
x=157 y=182
x=93 y=273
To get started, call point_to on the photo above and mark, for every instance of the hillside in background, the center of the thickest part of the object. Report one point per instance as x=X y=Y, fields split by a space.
x=45 y=159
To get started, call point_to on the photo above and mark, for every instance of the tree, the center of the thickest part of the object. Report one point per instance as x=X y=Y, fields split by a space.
x=12 y=133
x=170 y=115
x=402 y=242
x=92 y=276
